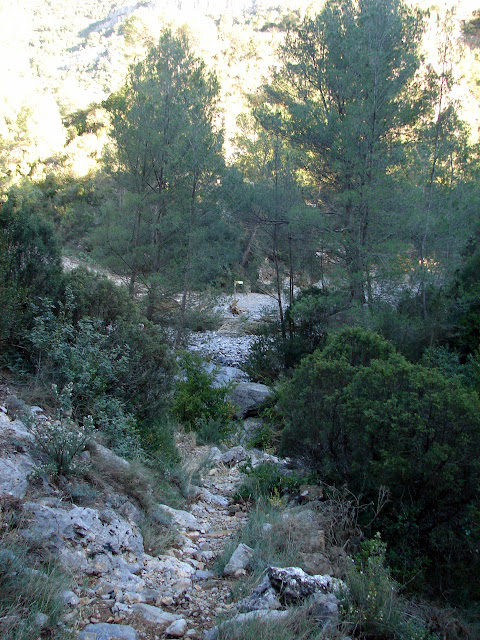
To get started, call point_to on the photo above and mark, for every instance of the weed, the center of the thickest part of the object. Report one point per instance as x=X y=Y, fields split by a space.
x=29 y=588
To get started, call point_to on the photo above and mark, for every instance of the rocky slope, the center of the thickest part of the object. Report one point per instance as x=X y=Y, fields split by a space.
x=140 y=568
x=120 y=588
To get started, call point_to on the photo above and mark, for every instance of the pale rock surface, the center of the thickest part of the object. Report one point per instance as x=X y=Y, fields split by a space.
x=263 y=596
x=104 y=631
x=177 y=629
x=160 y=618
x=233 y=456
x=14 y=474
x=239 y=560
x=294 y=584
x=183 y=519
x=14 y=428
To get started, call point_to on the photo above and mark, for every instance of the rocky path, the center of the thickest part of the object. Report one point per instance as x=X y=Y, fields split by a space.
x=121 y=591
x=177 y=594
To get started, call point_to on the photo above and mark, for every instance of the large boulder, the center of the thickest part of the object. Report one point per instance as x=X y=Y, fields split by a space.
x=164 y=514
x=13 y=429
x=98 y=536
x=161 y=619
x=249 y=397
x=233 y=456
x=262 y=597
x=294 y=585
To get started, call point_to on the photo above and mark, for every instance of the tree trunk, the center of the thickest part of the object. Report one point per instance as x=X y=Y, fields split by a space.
x=253 y=233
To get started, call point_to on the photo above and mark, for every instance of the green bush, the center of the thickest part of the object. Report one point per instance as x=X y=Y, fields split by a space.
x=93 y=295
x=196 y=397
x=362 y=415
x=121 y=374
x=61 y=441
x=30 y=266
x=266 y=481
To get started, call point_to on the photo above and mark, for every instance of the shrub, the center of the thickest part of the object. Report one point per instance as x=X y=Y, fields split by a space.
x=29 y=265
x=61 y=441
x=93 y=295
x=267 y=481
x=372 y=606
x=265 y=361
x=197 y=399
x=121 y=373
x=364 y=416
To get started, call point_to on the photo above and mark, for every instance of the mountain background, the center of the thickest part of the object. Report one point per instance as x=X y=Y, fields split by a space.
x=62 y=59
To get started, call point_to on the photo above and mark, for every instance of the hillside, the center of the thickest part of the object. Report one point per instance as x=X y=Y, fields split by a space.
x=240 y=320
x=66 y=57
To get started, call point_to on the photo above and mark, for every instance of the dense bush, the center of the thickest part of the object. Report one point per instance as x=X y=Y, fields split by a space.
x=120 y=373
x=266 y=480
x=362 y=414
x=198 y=402
x=307 y=322
x=95 y=296
x=29 y=265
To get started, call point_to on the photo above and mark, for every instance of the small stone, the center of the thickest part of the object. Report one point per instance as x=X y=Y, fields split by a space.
x=238 y=561
x=177 y=629
x=41 y=620
x=70 y=598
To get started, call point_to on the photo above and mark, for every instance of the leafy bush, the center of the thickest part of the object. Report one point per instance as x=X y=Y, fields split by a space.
x=121 y=374
x=93 y=295
x=312 y=315
x=61 y=441
x=29 y=265
x=364 y=416
x=213 y=430
x=267 y=481
x=197 y=399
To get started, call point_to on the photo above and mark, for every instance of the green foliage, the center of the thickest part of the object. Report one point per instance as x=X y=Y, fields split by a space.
x=448 y=362
x=322 y=101
x=121 y=374
x=357 y=347
x=466 y=296
x=267 y=481
x=308 y=320
x=365 y=416
x=61 y=441
x=372 y=605
x=197 y=402
x=96 y=296
x=29 y=264
x=265 y=360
